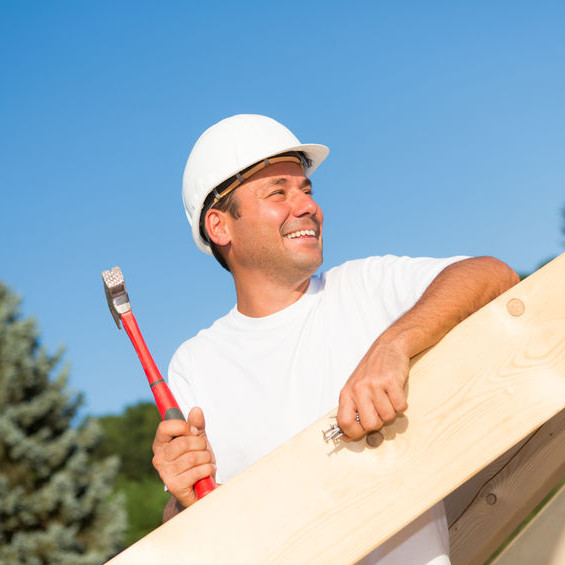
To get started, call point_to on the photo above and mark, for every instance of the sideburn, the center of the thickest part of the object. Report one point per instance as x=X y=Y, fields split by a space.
x=230 y=205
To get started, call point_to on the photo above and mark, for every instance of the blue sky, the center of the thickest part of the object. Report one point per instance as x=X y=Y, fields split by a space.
x=446 y=123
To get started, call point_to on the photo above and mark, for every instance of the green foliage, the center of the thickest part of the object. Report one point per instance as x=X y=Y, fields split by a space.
x=130 y=435
x=56 y=502
x=145 y=500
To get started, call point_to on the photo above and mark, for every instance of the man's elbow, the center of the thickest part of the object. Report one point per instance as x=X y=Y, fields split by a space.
x=501 y=274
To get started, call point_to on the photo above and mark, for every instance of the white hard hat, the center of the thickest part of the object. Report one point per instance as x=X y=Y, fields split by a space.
x=226 y=149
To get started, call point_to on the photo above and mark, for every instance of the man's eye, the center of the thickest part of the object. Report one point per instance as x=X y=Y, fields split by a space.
x=277 y=192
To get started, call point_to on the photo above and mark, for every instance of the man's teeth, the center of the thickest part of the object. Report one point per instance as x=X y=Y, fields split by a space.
x=301 y=233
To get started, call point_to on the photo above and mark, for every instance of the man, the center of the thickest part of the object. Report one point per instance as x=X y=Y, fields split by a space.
x=296 y=344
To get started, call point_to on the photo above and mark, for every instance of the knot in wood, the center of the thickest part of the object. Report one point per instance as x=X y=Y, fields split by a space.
x=374 y=439
x=491 y=499
x=515 y=307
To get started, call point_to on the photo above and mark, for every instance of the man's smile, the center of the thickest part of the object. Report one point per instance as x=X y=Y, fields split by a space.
x=300 y=233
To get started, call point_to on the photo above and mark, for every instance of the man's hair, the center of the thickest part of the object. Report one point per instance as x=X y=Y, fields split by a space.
x=230 y=205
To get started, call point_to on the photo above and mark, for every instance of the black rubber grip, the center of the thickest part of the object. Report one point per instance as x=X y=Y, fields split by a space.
x=173 y=414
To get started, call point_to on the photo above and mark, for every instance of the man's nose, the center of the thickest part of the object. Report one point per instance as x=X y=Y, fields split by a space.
x=303 y=204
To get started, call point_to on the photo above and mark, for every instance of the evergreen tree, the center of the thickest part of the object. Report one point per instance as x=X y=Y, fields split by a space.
x=55 y=500
x=130 y=435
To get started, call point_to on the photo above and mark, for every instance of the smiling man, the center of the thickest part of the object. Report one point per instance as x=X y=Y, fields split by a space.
x=296 y=343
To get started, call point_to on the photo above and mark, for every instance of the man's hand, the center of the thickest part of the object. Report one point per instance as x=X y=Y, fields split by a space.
x=374 y=391
x=182 y=455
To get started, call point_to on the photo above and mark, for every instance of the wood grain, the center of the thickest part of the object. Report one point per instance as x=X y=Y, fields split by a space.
x=489 y=383
x=510 y=495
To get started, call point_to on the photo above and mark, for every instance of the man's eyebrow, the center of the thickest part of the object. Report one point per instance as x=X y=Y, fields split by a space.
x=281 y=181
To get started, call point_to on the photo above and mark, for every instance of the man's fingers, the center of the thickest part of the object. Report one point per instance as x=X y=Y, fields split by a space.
x=189 y=460
x=169 y=453
x=168 y=429
x=180 y=473
x=170 y=472
x=369 y=417
x=196 y=420
x=192 y=476
x=384 y=408
x=347 y=417
x=397 y=398
x=181 y=485
x=173 y=439
x=195 y=425
x=184 y=444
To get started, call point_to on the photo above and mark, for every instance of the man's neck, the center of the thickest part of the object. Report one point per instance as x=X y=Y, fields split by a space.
x=261 y=296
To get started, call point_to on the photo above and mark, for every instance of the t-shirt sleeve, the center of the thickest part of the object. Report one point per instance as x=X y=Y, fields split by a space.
x=407 y=278
x=392 y=284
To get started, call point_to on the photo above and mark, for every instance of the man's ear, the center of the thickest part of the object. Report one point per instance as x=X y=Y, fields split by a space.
x=217 y=226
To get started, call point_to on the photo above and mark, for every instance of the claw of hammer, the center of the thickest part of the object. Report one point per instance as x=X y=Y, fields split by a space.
x=116 y=295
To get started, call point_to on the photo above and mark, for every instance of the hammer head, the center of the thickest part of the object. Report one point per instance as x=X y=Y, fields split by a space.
x=116 y=295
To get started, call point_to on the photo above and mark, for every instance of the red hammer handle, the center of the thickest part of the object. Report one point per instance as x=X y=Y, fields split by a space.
x=166 y=403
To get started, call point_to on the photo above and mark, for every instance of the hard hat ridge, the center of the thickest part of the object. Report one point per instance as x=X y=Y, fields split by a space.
x=230 y=147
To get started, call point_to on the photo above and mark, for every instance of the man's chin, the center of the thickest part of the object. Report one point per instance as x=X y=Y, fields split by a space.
x=309 y=264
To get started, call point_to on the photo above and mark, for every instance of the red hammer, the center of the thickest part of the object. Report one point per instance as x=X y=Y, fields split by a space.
x=120 y=307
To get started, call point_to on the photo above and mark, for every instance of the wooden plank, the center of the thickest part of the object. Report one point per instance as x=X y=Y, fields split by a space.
x=490 y=382
x=510 y=495
x=461 y=499
x=542 y=541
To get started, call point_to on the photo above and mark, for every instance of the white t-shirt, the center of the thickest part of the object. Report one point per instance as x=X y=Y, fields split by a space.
x=260 y=381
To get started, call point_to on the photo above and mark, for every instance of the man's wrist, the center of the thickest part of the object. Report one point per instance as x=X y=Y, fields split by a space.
x=408 y=341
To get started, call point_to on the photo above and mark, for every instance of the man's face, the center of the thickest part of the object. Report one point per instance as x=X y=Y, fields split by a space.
x=279 y=228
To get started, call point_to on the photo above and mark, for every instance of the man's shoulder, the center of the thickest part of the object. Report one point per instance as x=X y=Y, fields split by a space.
x=384 y=276
x=352 y=278
x=377 y=260
x=384 y=263
x=206 y=335
x=358 y=266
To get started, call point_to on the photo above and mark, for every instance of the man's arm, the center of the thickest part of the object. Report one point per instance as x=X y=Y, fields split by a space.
x=375 y=389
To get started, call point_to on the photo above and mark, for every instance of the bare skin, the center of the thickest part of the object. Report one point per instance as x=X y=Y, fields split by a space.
x=273 y=249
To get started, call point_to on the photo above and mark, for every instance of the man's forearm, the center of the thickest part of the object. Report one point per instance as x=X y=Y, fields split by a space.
x=458 y=291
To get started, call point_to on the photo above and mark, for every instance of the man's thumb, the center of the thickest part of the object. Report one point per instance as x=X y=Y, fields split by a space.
x=196 y=421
